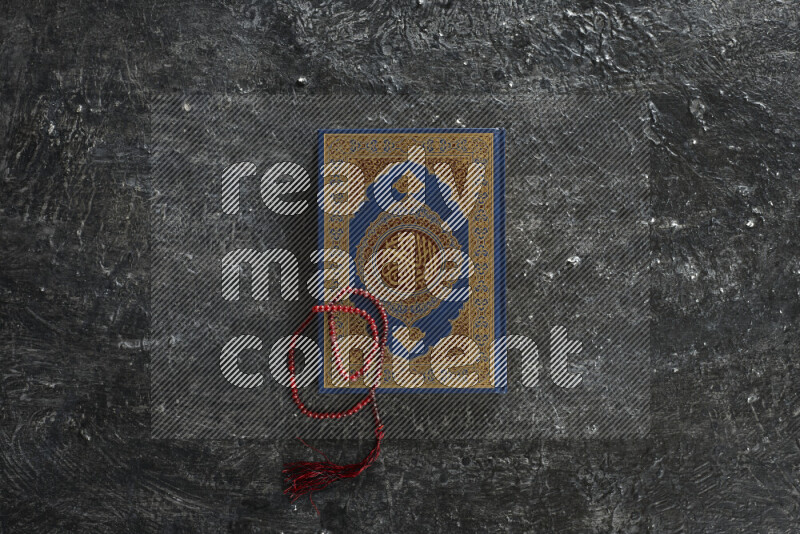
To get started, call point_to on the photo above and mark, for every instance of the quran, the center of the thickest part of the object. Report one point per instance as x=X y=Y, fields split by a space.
x=417 y=218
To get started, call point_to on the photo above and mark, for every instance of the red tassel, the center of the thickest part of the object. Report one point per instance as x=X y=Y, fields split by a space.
x=304 y=478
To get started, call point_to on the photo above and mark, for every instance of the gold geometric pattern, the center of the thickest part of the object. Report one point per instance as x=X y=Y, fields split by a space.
x=372 y=153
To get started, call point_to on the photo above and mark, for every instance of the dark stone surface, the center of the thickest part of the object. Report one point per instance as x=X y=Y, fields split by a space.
x=723 y=454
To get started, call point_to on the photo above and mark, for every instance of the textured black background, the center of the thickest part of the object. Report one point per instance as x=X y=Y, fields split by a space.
x=723 y=454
